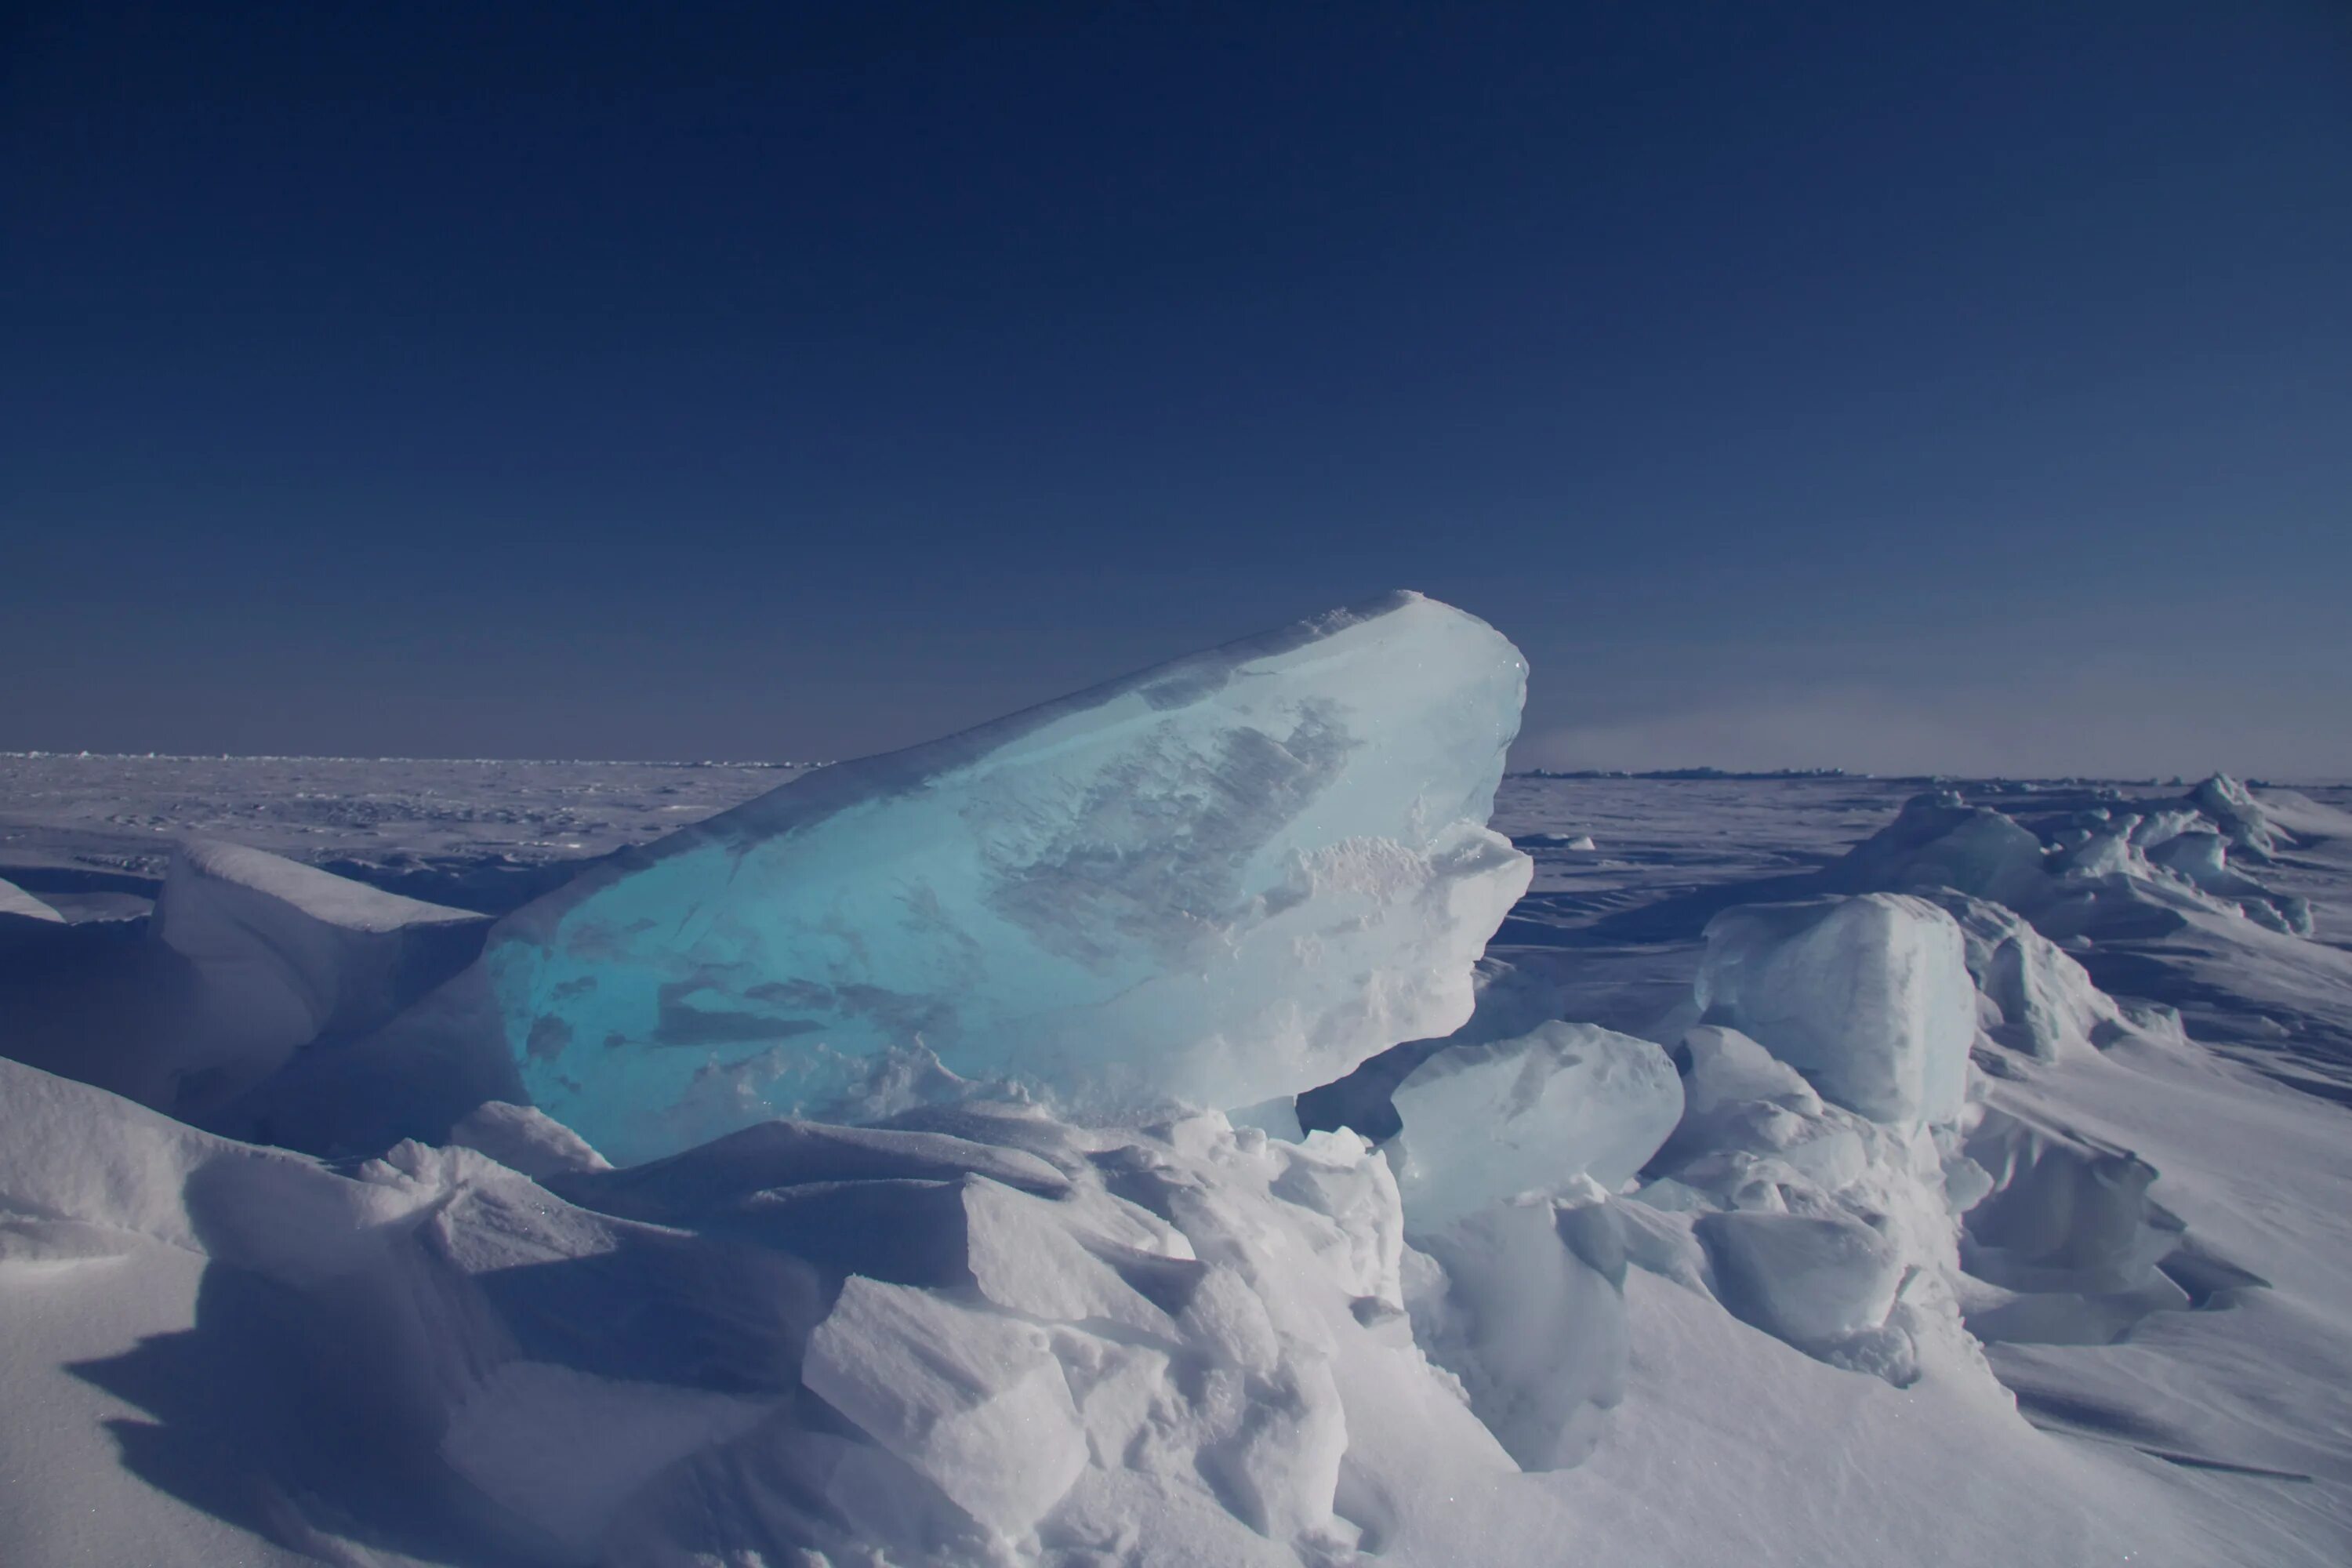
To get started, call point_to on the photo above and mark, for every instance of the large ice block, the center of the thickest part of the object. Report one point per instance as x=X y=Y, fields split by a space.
x=1869 y=997
x=1229 y=877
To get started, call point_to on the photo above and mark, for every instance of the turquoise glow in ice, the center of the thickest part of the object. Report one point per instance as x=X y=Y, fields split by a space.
x=1225 y=878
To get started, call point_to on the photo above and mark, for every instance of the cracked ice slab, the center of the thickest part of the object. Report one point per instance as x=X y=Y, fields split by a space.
x=1229 y=877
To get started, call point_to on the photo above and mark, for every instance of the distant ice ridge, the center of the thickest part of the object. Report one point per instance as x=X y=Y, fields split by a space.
x=1225 y=878
x=2105 y=872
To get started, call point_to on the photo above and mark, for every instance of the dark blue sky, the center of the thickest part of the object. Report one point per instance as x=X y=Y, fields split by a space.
x=1960 y=386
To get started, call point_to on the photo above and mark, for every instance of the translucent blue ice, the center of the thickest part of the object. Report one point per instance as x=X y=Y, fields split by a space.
x=1229 y=877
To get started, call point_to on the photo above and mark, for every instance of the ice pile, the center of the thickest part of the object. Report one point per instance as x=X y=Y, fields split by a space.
x=979 y=1335
x=975 y=1327
x=1826 y=1228
x=2102 y=873
x=1507 y=1156
x=2242 y=818
x=2031 y=996
x=1225 y=878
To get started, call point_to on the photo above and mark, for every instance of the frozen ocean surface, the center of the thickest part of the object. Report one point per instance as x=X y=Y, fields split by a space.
x=2095 y=1313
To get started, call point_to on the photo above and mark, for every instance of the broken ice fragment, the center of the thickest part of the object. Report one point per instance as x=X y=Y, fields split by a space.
x=1485 y=1123
x=1869 y=997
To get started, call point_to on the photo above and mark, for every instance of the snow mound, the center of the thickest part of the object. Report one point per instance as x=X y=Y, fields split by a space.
x=2241 y=816
x=285 y=955
x=1940 y=841
x=1223 y=879
x=1526 y=1305
x=2069 y=1247
x=1869 y=996
x=1812 y=1281
x=523 y=1138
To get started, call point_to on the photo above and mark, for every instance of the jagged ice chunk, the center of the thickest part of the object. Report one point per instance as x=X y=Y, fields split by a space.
x=1485 y=1123
x=1226 y=879
x=1869 y=997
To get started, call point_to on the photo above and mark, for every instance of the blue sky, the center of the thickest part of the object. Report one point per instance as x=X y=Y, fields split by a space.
x=1962 y=387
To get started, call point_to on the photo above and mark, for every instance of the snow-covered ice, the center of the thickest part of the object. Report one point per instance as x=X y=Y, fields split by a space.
x=1820 y=1178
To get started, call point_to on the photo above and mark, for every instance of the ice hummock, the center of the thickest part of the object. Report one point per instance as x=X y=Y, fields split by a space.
x=1223 y=879
x=2106 y=872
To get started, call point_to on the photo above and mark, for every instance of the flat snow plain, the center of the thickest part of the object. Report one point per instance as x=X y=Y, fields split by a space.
x=2216 y=1430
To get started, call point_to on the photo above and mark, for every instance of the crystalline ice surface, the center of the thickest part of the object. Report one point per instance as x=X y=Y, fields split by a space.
x=1229 y=877
x=1485 y=1123
x=1869 y=997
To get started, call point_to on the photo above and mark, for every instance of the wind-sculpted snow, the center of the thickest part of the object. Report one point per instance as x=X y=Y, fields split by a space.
x=1183 y=1344
x=1225 y=878
x=284 y=953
